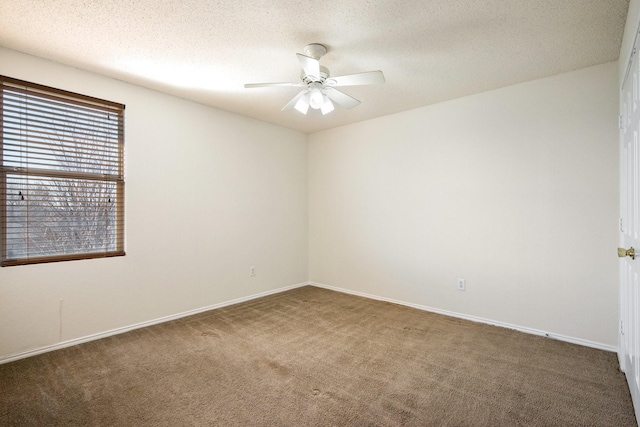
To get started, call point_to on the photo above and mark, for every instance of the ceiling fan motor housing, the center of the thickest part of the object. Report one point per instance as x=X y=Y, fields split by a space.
x=324 y=75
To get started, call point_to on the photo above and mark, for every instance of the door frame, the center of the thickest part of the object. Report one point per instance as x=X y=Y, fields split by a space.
x=622 y=308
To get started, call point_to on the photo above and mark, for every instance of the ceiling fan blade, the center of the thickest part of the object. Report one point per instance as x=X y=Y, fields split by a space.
x=341 y=98
x=286 y=84
x=291 y=104
x=366 y=78
x=310 y=65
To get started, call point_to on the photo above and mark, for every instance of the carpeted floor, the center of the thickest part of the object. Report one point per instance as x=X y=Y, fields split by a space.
x=314 y=357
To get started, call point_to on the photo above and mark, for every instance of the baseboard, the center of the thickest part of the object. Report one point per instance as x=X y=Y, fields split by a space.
x=558 y=337
x=124 y=329
x=76 y=341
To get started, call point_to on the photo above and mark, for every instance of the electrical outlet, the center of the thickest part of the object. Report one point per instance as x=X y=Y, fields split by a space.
x=252 y=270
x=462 y=285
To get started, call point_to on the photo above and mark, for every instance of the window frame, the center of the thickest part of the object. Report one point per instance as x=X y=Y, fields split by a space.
x=79 y=101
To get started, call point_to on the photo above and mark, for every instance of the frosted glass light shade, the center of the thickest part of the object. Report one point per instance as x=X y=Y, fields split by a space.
x=303 y=104
x=316 y=99
x=327 y=106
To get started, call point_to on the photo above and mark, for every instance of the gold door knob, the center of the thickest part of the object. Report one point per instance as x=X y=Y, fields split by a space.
x=627 y=252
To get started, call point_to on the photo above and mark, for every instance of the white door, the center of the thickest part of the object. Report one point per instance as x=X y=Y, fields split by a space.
x=630 y=229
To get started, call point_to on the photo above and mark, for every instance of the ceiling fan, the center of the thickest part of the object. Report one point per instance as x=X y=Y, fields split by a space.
x=320 y=90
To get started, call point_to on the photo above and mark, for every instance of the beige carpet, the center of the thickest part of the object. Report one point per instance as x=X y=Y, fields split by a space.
x=313 y=357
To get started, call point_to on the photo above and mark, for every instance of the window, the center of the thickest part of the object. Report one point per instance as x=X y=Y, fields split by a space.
x=61 y=175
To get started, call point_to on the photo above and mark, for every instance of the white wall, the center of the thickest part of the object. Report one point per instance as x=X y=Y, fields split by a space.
x=208 y=194
x=514 y=190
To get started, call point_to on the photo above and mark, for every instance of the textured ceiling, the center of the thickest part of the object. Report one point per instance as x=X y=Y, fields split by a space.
x=429 y=50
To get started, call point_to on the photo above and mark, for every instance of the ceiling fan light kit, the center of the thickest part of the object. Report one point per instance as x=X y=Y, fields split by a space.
x=320 y=91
